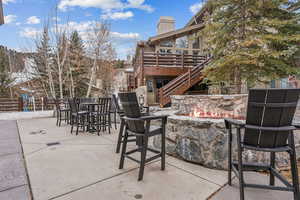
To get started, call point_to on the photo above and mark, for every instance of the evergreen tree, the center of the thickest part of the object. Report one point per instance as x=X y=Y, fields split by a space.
x=43 y=59
x=251 y=40
x=5 y=79
x=78 y=64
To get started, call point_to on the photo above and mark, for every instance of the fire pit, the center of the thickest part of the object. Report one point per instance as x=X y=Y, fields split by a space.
x=196 y=130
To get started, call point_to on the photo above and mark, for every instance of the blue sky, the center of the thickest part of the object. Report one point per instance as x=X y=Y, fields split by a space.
x=131 y=20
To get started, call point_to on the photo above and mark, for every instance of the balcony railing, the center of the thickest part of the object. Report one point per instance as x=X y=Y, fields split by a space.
x=171 y=60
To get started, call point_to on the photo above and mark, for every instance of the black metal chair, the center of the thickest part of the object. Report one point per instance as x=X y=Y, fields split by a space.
x=268 y=128
x=138 y=126
x=115 y=109
x=62 y=113
x=101 y=118
x=78 y=118
x=145 y=111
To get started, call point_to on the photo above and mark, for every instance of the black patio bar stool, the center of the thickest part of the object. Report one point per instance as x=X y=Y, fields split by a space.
x=268 y=128
x=144 y=111
x=78 y=118
x=139 y=126
x=100 y=118
x=63 y=113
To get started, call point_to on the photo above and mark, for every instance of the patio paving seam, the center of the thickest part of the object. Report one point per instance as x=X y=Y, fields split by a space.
x=14 y=187
x=219 y=190
x=91 y=184
x=100 y=181
x=194 y=174
x=8 y=154
x=24 y=161
x=36 y=151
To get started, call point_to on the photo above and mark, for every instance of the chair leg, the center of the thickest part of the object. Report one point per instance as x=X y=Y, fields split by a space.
x=98 y=121
x=294 y=168
x=77 y=124
x=121 y=165
x=60 y=119
x=115 y=120
x=57 y=117
x=109 y=123
x=163 y=149
x=272 y=165
x=240 y=165
x=143 y=158
x=83 y=123
x=229 y=156
x=72 y=124
x=68 y=117
x=120 y=136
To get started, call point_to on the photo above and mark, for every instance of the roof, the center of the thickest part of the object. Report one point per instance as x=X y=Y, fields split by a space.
x=193 y=20
x=177 y=33
x=1 y=13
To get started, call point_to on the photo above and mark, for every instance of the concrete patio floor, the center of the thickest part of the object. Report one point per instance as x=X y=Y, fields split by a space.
x=62 y=166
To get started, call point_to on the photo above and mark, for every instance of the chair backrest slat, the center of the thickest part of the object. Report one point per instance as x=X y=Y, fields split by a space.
x=115 y=103
x=270 y=108
x=131 y=109
x=73 y=104
x=104 y=105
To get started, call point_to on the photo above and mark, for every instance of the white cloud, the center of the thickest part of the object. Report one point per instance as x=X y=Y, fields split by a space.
x=105 y=4
x=117 y=15
x=33 y=20
x=8 y=1
x=140 y=5
x=10 y=19
x=31 y=33
x=56 y=19
x=196 y=7
x=129 y=36
x=85 y=27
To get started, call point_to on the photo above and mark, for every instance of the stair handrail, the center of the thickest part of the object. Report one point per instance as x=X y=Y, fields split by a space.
x=181 y=80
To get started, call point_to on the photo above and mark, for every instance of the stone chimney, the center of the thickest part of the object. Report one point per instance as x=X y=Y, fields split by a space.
x=165 y=24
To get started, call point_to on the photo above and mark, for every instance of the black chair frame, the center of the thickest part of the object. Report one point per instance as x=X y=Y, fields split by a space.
x=63 y=114
x=266 y=135
x=143 y=147
x=145 y=111
x=101 y=118
x=78 y=118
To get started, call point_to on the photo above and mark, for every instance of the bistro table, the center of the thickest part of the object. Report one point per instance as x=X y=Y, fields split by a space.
x=91 y=107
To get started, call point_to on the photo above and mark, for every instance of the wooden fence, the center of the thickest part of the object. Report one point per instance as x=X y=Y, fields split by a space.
x=20 y=104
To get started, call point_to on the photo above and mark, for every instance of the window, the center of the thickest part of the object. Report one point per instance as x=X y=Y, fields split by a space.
x=149 y=85
x=166 y=44
x=182 y=42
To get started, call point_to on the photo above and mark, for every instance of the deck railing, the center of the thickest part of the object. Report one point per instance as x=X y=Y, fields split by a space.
x=153 y=59
x=18 y=104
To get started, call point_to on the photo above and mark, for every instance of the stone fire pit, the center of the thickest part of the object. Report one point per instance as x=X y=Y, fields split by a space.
x=204 y=140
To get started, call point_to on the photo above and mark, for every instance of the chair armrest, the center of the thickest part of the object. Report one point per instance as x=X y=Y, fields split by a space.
x=146 y=118
x=229 y=122
x=297 y=125
x=151 y=117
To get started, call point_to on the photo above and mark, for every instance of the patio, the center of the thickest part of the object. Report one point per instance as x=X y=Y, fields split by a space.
x=65 y=166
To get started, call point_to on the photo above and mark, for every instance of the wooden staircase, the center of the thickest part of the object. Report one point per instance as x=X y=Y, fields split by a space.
x=182 y=83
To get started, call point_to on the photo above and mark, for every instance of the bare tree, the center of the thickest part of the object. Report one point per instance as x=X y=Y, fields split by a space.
x=61 y=52
x=98 y=43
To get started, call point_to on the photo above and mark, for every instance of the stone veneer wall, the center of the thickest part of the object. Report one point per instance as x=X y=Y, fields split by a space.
x=204 y=141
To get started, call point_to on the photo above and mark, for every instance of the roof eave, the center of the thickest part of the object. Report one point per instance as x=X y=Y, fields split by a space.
x=171 y=34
